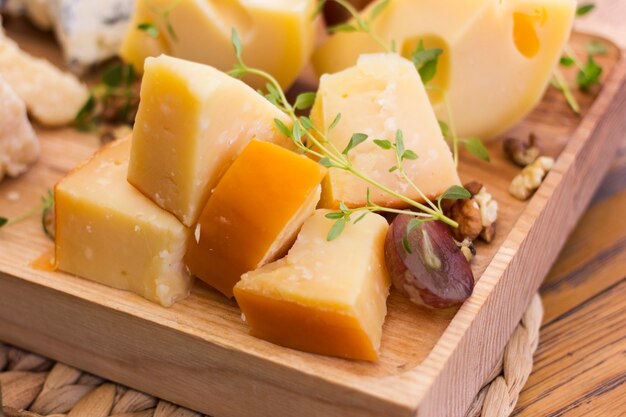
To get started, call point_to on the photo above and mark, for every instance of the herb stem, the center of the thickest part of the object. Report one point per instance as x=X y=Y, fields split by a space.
x=561 y=83
x=363 y=25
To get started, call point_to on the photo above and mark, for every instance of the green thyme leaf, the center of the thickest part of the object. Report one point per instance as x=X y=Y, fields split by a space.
x=355 y=141
x=335 y=122
x=383 y=143
x=567 y=61
x=361 y=217
x=596 y=48
x=334 y=215
x=336 y=230
x=82 y=119
x=171 y=31
x=589 y=75
x=326 y=162
x=584 y=9
x=342 y=27
x=399 y=143
x=112 y=76
x=236 y=43
x=408 y=154
x=296 y=133
x=456 y=192
x=307 y=123
x=3 y=221
x=378 y=9
x=445 y=129
x=150 y=29
x=475 y=146
x=304 y=101
x=343 y=207
x=426 y=60
x=282 y=128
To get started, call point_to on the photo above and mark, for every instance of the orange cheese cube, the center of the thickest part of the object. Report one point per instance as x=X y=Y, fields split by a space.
x=254 y=214
x=326 y=297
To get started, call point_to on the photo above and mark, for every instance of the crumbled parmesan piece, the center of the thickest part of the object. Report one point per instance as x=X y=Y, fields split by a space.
x=19 y=146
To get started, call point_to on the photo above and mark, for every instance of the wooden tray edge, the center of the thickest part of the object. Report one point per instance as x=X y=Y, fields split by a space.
x=446 y=363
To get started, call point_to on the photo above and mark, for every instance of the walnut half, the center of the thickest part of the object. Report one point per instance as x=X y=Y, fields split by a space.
x=531 y=177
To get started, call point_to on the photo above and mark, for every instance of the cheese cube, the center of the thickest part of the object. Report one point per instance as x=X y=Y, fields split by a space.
x=108 y=232
x=498 y=56
x=254 y=214
x=192 y=122
x=19 y=146
x=277 y=36
x=326 y=297
x=380 y=95
x=51 y=96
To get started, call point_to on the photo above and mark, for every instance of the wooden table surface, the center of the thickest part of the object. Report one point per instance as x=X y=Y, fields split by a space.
x=580 y=365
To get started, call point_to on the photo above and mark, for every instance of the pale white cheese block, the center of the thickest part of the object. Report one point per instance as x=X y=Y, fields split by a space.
x=51 y=96
x=19 y=146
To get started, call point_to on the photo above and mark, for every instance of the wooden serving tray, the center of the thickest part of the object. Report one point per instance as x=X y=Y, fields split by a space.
x=198 y=353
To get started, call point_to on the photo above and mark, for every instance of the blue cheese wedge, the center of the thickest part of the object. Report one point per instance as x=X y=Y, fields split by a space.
x=89 y=32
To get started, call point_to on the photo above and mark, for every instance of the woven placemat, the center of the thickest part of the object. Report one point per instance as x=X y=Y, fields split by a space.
x=33 y=386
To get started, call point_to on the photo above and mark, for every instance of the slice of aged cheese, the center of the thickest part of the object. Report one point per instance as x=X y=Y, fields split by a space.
x=497 y=57
x=383 y=93
x=324 y=297
x=277 y=35
x=89 y=31
x=108 y=232
x=192 y=122
x=19 y=146
x=52 y=97
x=254 y=214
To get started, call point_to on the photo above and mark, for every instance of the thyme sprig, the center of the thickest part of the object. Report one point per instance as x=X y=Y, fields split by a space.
x=359 y=24
x=163 y=14
x=310 y=140
x=589 y=71
x=44 y=208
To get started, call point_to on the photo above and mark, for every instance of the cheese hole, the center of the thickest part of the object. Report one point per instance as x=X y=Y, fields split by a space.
x=442 y=76
x=525 y=35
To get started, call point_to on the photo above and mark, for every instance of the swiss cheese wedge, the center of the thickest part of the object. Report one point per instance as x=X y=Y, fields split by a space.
x=277 y=35
x=254 y=214
x=193 y=121
x=325 y=297
x=108 y=232
x=382 y=94
x=497 y=58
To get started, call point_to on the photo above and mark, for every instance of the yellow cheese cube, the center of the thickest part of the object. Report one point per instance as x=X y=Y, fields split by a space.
x=254 y=214
x=324 y=297
x=108 y=232
x=276 y=36
x=497 y=58
x=193 y=121
x=381 y=94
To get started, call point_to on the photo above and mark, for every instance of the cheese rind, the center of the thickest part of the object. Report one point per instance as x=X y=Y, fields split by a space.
x=108 y=232
x=276 y=35
x=379 y=96
x=51 y=96
x=254 y=214
x=19 y=146
x=497 y=56
x=192 y=122
x=326 y=297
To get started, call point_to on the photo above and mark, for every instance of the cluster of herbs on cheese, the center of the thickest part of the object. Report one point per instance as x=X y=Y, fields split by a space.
x=44 y=208
x=312 y=141
x=589 y=71
x=113 y=100
x=426 y=61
